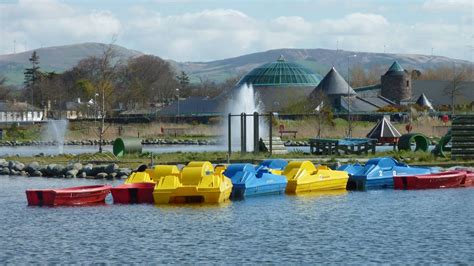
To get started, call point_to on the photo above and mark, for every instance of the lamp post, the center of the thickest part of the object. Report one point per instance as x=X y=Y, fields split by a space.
x=177 y=91
x=95 y=106
x=349 y=117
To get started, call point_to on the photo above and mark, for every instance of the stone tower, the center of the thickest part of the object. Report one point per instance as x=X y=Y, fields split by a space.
x=396 y=84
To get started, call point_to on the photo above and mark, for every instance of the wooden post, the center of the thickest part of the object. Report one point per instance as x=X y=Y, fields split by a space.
x=245 y=132
x=242 y=134
x=256 y=137
x=229 y=136
x=270 y=140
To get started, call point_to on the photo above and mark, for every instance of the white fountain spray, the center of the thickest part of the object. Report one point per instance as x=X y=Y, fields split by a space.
x=244 y=100
x=55 y=131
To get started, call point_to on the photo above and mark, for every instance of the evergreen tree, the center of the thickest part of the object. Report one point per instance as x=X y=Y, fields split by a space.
x=32 y=75
x=183 y=79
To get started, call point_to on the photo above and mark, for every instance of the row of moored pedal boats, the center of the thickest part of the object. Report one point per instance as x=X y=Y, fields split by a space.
x=204 y=182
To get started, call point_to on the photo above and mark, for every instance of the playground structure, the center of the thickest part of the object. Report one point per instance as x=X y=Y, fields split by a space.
x=421 y=142
x=442 y=147
x=127 y=145
x=462 y=133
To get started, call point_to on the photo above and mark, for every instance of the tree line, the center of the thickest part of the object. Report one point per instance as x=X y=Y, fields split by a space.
x=140 y=82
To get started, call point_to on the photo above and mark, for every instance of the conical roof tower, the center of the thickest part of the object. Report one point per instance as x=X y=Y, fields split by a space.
x=334 y=84
x=395 y=68
x=384 y=129
x=423 y=101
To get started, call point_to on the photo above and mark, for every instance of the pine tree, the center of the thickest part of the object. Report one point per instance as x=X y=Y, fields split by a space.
x=183 y=79
x=32 y=75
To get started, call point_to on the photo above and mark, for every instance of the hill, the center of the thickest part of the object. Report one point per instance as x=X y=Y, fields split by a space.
x=61 y=58
x=56 y=58
x=319 y=60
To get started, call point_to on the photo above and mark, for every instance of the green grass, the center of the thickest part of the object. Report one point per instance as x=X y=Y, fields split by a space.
x=134 y=160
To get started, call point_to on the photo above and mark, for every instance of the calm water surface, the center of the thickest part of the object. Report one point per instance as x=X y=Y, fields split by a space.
x=79 y=149
x=433 y=226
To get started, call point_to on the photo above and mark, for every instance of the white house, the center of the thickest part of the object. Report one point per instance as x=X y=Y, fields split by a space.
x=19 y=112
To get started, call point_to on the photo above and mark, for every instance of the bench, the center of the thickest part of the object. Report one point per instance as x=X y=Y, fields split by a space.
x=288 y=132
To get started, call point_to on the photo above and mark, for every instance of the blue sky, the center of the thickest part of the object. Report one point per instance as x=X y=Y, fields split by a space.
x=188 y=30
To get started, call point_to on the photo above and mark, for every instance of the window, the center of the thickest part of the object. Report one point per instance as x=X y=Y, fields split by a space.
x=408 y=83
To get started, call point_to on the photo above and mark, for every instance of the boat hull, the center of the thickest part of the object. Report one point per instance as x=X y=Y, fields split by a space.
x=363 y=183
x=469 y=180
x=450 y=179
x=84 y=195
x=191 y=195
x=241 y=191
x=295 y=187
x=133 y=193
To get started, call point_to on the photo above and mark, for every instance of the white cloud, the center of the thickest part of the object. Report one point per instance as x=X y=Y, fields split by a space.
x=219 y=33
x=48 y=22
x=448 y=5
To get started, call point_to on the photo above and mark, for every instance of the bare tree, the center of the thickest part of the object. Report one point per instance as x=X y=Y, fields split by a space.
x=454 y=89
x=4 y=90
x=146 y=79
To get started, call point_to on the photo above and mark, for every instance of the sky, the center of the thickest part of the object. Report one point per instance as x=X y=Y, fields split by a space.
x=195 y=30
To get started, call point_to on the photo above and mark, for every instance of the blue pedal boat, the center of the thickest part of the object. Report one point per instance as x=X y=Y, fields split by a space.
x=379 y=172
x=249 y=180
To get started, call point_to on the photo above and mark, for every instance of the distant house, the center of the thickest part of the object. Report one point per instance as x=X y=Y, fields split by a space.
x=343 y=98
x=397 y=86
x=82 y=110
x=13 y=111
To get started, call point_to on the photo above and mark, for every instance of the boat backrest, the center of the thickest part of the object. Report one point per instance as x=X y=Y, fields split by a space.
x=278 y=164
x=296 y=169
x=193 y=173
x=159 y=171
x=139 y=177
x=234 y=168
x=323 y=167
x=220 y=169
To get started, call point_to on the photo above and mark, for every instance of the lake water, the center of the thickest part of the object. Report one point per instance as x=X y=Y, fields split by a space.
x=79 y=149
x=431 y=226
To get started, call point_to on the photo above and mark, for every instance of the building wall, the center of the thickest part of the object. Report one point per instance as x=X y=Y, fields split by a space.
x=396 y=87
x=26 y=116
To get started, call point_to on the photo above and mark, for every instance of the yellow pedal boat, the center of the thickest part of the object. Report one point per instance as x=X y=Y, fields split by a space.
x=151 y=175
x=304 y=176
x=197 y=182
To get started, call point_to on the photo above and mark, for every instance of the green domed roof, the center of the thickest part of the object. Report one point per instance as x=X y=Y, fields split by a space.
x=281 y=73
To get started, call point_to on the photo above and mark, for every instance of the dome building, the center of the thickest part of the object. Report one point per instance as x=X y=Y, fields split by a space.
x=279 y=84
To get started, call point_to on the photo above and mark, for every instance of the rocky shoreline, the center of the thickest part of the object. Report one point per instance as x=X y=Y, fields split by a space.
x=107 y=142
x=72 y=170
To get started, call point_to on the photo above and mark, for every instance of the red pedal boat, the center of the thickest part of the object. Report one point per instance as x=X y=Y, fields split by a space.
x=448 y=179
x=469 y=180
x=68 y=196
x=133 y=193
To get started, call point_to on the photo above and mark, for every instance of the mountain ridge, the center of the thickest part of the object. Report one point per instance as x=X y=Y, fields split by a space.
x=61 y=58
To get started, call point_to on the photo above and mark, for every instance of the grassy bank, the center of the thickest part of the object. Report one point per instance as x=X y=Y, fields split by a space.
x=134 y=160
x=307 y=128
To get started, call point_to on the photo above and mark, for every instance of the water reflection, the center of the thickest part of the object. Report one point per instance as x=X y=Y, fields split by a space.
x=335 y=227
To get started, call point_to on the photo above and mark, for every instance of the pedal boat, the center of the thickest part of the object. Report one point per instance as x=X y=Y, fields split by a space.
x=448 y=179
x=378 y=173
x=303 y=176
x=197 y=182
x=139 y=186
x=83 y=195
x=249 y=180
x=469 y=180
